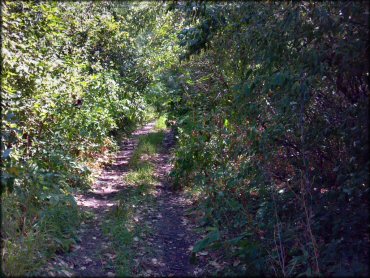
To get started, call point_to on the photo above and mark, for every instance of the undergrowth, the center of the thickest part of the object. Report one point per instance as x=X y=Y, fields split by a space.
x=33 y=230
x=40 y=216
x=161 y=123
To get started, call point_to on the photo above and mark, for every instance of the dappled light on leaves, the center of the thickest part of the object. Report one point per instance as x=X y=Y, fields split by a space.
x=185 y=138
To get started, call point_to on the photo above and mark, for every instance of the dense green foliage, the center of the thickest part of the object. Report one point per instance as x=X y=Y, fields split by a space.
x=270 y=103
x=70 y=78
x=272 y=108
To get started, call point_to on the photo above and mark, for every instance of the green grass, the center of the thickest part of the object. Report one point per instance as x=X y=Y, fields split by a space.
x=161 y=123
x=36 y=233
x=148 y=145
x=23 y=253
x=140 y=181
x=118 y=229
x=142 y=176
x=122 y=228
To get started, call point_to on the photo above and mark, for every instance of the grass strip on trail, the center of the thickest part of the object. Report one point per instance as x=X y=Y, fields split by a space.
x=123 y=224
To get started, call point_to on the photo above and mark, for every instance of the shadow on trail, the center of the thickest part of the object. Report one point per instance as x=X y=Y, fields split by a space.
x=171 y=235
x=88 y=256
x=173 y=238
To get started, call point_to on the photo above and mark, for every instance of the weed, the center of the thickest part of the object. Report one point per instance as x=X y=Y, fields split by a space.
x=161 y=123
x=147 y=145
x=143 y=175
x=33 y=233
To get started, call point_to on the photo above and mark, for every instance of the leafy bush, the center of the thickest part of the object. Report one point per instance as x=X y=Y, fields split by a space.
x=275 y=132
x=70 y=80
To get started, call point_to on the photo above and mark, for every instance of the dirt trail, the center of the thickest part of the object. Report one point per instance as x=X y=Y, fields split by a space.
x=171 y=238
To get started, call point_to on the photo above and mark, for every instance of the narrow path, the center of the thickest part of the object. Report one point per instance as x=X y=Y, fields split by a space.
x=171 y=238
